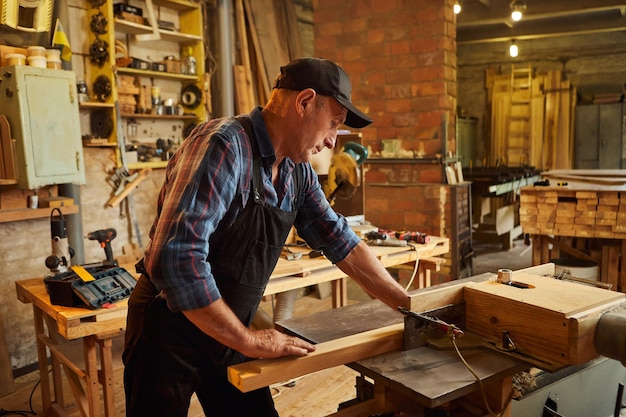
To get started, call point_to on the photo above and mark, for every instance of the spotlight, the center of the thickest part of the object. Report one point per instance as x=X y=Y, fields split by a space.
x=518 y=7
x=513 y=50
x=457 y=7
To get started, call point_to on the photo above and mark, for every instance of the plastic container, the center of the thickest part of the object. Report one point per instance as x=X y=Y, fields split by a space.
x=53 y=54
x=36 y=51
x=37 y=61
x=15 y=59
x=53 y=64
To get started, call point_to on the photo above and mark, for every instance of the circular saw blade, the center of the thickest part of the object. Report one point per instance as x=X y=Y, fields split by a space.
x=344 y=173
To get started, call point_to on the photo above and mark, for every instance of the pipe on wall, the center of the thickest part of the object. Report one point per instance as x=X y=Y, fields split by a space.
x=225 y=73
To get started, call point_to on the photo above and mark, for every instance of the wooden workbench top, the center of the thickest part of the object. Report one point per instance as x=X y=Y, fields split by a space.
x=73 y=322
x=305 y=265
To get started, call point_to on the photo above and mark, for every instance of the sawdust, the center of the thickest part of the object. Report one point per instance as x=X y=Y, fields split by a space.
x=523 y=383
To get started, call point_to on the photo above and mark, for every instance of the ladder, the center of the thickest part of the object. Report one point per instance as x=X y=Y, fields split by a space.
x=518 y=138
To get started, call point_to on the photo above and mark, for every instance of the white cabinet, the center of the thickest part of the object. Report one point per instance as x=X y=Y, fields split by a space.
x=41 y=107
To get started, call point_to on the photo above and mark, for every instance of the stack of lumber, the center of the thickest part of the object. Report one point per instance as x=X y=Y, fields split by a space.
x=126 y=92
x=531 y=122
x=591 y=212
x=267 y=38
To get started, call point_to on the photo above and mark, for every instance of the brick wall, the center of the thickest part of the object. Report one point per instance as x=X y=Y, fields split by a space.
x=401 y=58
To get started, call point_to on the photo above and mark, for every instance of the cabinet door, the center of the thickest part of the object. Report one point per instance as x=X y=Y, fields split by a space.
x=599 y=136
x=610 y=136
x=42 y=110
x=586 y=150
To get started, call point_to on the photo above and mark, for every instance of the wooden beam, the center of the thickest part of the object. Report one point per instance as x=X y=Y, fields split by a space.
x=256 y=374
x=538 y=29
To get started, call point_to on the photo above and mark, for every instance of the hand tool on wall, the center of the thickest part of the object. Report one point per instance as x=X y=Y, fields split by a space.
x=104 y=237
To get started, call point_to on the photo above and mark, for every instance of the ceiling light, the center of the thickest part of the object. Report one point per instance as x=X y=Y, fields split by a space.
x=518 y=7
x=513 y=50
x=457 y=7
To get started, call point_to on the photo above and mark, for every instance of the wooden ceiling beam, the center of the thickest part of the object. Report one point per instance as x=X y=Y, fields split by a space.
x=535 y=29
x=478 y=13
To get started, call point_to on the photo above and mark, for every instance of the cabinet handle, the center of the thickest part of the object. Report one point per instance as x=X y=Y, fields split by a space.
x=72 y=91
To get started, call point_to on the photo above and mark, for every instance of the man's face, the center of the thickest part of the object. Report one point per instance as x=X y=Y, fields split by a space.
x=319 y=126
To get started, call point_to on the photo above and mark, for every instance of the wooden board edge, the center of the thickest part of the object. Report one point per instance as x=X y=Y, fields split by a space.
x=249 y=376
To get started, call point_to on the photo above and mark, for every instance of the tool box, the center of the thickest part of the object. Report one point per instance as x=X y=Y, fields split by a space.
x=109 y=285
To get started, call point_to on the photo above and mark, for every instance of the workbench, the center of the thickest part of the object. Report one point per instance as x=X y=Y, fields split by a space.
x=97 y=329
x=411 y=380
x=304 y=272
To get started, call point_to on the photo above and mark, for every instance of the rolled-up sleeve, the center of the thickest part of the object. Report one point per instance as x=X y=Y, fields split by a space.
x=319 y=225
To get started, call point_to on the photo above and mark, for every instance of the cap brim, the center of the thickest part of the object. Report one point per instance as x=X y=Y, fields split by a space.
x=355 y=117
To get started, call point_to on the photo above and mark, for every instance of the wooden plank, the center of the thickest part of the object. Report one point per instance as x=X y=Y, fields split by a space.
x=262 y=74
x=242 y=103
x=256 y=374
x=245 y=54
x=7 y=385
x=622 y=276
x=8 y=170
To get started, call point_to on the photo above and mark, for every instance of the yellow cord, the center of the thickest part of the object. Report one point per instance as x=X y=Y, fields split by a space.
x=480 y=383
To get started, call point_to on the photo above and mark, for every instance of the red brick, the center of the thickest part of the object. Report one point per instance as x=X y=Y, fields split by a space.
x=400 y=48
x=324 y=43
x=376 y=35
x=355 y=25
x=398 y=105
x=430 y=88
x=377 y=204
x=375 y=176
x=422 y=45
x=404 y=119
x=375 y=78
x=431 y=175
x=352 y=53
x=398 y=76
x=329 y=28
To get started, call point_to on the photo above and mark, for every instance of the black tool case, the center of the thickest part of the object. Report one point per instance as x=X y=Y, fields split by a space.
x=110 y=285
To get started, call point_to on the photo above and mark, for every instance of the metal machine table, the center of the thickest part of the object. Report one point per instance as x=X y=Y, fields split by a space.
x=424 y=377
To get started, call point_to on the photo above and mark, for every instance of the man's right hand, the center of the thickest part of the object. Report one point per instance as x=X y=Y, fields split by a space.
x=270 y=343
x=218 y=321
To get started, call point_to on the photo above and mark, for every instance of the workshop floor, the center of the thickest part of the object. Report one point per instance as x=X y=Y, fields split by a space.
x=313 y=395
x=490 y=256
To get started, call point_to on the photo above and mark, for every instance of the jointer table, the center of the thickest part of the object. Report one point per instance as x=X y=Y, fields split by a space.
x=416 y=379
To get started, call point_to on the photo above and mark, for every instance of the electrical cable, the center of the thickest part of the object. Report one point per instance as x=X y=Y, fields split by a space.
x=22 y=413
x=480 y=384
x=417 y=261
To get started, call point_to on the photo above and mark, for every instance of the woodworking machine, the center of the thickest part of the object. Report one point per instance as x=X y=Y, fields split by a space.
x=344 y=175
x=484 y=328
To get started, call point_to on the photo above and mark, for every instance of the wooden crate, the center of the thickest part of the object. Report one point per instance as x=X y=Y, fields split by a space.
x=554 y=321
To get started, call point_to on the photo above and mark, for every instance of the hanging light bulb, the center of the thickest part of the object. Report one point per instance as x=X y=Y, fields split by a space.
x=513 y=50
x=457 y=7
x=518 y=7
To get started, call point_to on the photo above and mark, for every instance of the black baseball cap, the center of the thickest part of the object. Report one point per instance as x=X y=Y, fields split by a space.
x=327 y=79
